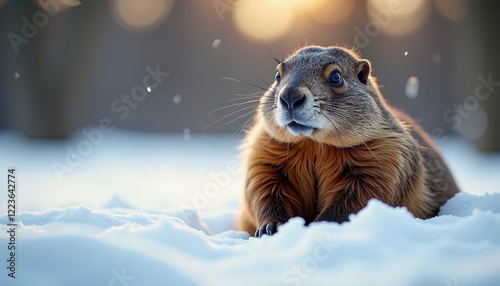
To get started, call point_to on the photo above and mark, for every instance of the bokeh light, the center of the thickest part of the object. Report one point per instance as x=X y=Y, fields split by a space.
x=61 y=5
x=412 y=87
x=216 y=43
x=398 y=18
x=453 y=10
x=263 y=19
x=475 y=125
x=333 y=11
x=307 y=6
x=141 y=15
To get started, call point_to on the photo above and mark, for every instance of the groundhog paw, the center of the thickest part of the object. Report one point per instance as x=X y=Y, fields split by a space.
x=269 y=228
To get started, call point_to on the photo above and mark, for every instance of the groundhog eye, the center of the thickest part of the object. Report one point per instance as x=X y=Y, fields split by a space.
x=336 y=79
x=278 y=77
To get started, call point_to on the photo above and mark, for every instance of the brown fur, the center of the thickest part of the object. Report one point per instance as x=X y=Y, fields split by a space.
x=365 y=149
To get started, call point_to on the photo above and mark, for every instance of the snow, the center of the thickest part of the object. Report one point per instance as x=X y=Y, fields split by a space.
x=150 y=209
x=412 y=86
x=216 y=43
x=177 y=98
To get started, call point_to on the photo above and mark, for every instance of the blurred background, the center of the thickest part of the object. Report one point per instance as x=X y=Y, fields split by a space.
x=159 y=65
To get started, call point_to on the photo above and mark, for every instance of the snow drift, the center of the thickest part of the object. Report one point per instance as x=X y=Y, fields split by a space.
x=379 y=246
x=126 y=217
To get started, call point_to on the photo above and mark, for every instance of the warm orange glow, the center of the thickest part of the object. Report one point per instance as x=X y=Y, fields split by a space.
x=263 y=19
x=333 y=11
x=141 y=15
x=307 y=6
x=61 y=5
x=398 y=18
x=453 y=10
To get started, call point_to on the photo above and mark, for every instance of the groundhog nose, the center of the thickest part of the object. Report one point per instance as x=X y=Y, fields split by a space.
x=292 y=98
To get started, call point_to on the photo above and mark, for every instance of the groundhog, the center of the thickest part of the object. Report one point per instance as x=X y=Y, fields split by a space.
x=324 y=141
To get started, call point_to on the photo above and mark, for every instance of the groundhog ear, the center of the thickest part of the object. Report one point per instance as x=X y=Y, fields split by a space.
x=363 y=69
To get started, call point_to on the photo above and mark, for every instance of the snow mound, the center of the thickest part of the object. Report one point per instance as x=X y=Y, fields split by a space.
x=117 y=203
x=80 y=214
x=464 y=204
x=380 y=245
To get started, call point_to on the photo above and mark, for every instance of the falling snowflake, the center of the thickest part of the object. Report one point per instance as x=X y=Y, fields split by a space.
x=16 y=75
x=216 y=43
x=406 y=53
x=177 y=98
x=148 y=89
x=412 y=87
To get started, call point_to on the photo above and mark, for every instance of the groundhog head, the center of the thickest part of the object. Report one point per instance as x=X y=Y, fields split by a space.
x=323 y=94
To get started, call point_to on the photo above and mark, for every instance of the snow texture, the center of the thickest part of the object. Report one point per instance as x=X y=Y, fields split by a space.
x=121 y=241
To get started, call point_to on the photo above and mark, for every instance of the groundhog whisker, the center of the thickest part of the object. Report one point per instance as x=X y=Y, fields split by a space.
x=264 y=112
x=239 y=110
x=243 y=126
x=247 y=94
x=244 y=97
x=244 y=115
x=236 y=105
x=272 y=56
x=267 y=84
x=253 y=105
x=247 y=83
x=226 y=116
